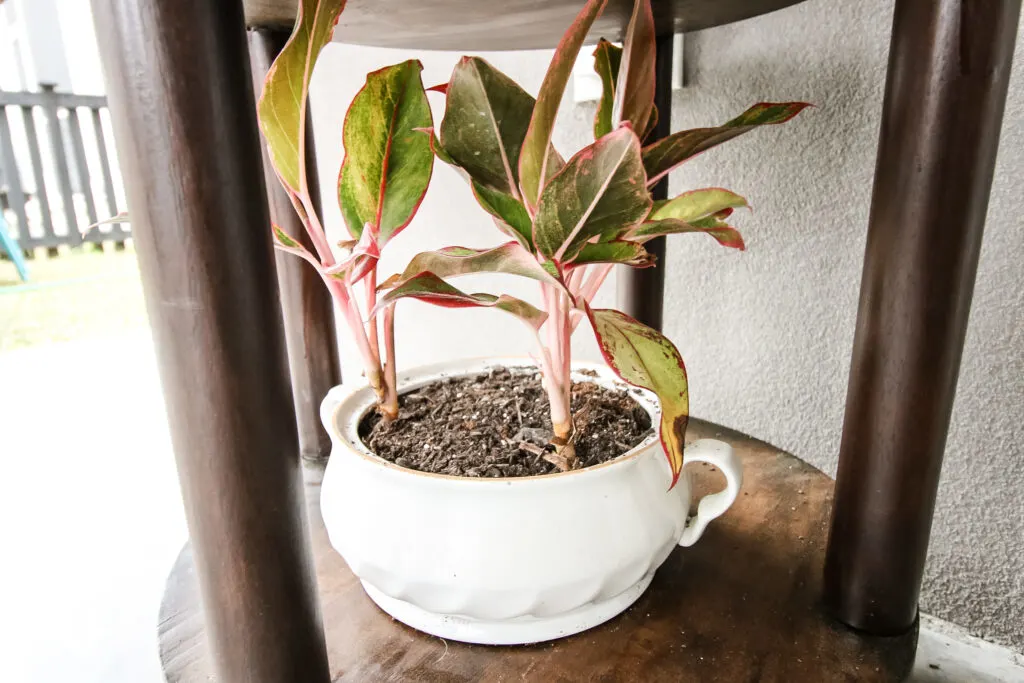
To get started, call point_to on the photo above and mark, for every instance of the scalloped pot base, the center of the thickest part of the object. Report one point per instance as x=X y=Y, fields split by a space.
x=508 y=561
x=515 y=631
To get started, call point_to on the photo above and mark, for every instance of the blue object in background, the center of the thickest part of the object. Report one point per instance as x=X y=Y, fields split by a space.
x=10 y=245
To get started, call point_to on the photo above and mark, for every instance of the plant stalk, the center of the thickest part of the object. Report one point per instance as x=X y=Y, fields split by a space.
x=389 y=408
x=371 y=303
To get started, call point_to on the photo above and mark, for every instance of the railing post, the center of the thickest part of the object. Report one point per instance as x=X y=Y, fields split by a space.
x=60 y=162
x=9 y=166
x=181 y=101
x=28 y=117
x=309 y=329
x=641 y=291
x=949 y=65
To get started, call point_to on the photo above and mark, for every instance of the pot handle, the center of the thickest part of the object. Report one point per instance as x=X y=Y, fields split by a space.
x=713 y=505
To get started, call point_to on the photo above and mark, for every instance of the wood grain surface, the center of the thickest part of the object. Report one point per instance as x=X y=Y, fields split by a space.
x=741 y=605
x=499 y=25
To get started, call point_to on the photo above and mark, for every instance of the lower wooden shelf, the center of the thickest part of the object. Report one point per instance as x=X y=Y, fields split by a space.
x=740 y=605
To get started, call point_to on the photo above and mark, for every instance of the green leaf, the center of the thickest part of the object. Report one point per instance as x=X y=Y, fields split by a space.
x=432 y=289
x=387 y=162
x=600 y=191
x=510 y=258
x=695 y=211
x=665 y=154
x=607 y=58
x=651 y=123
x=617 y=251
x=726 y=235
x=285 y=242
x=509 y=214
x=697 y=204
x=282 y=106
x=634 y=98
x=534 y=159
x=647 y=359
x=485 y=121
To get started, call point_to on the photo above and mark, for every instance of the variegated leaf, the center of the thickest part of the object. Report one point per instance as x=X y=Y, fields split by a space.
x=665 y=154
x=510 y=258
x=600 y=191
x=432 y=289
x=485 y=120
x=646 y=358
x=696 y=204
x=388 y=161
x=282 y=105
x=634 y=96
x=726 y=235
x=534 y=160
x=509 y=213
x=695 y=211
x=607 y=58
x=616 y=251
x=285 y=242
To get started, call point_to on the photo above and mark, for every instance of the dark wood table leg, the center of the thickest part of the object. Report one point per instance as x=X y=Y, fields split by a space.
x=641 y=292
x=181 y=100
x=949 y=65
x=309 y=329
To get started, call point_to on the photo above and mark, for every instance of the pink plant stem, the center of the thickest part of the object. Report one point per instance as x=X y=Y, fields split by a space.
x=557 y=377
x=371 y=362
x=390 y=369
x=304 y=205
x=371 y=302
x=576 y=279
x=589 y=290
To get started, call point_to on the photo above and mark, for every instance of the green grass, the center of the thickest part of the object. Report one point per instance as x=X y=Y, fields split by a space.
x=72 y=296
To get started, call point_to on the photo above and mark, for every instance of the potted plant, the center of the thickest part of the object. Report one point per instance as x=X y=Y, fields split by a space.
x=476 y=500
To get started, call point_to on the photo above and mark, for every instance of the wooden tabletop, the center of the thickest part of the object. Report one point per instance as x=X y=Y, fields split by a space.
x=499 y=24
x=740 y=605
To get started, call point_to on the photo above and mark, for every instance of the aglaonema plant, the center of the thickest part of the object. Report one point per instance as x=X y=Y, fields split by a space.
x=383 y=178
x=571 y=221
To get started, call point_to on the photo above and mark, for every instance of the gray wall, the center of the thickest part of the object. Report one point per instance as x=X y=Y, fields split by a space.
x=767 y=333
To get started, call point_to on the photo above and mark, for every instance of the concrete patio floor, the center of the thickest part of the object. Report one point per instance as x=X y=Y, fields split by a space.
x=91 y=521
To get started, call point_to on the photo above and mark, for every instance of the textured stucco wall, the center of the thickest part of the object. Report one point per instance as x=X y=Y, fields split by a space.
x=767 y=333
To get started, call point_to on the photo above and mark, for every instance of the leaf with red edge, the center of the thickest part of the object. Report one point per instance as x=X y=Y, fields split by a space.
x=652 y=122
x=285 y=242
x=388 y=162
x=646 y=358
x=664 y=155
x=357 y=264
x=634 y=96
x=615 y=251
x=534 y=160
x=282 y=105
x=600 y=191
x=435 y=146
x=510 y=258
x=726 y=235
x=432 y=289
x=695 y=211
x=486 y=117
x=607 y=58
x=440 y=87
x=509 y=214
x=696 y=204
x=485 y=120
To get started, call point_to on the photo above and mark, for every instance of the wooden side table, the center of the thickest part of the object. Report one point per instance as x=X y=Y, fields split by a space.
x=181 y=98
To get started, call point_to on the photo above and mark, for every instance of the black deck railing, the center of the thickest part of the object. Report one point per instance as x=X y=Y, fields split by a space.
x=55 y=169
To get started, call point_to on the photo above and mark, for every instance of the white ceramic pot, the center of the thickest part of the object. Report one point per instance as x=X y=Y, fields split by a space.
x=512 y=560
